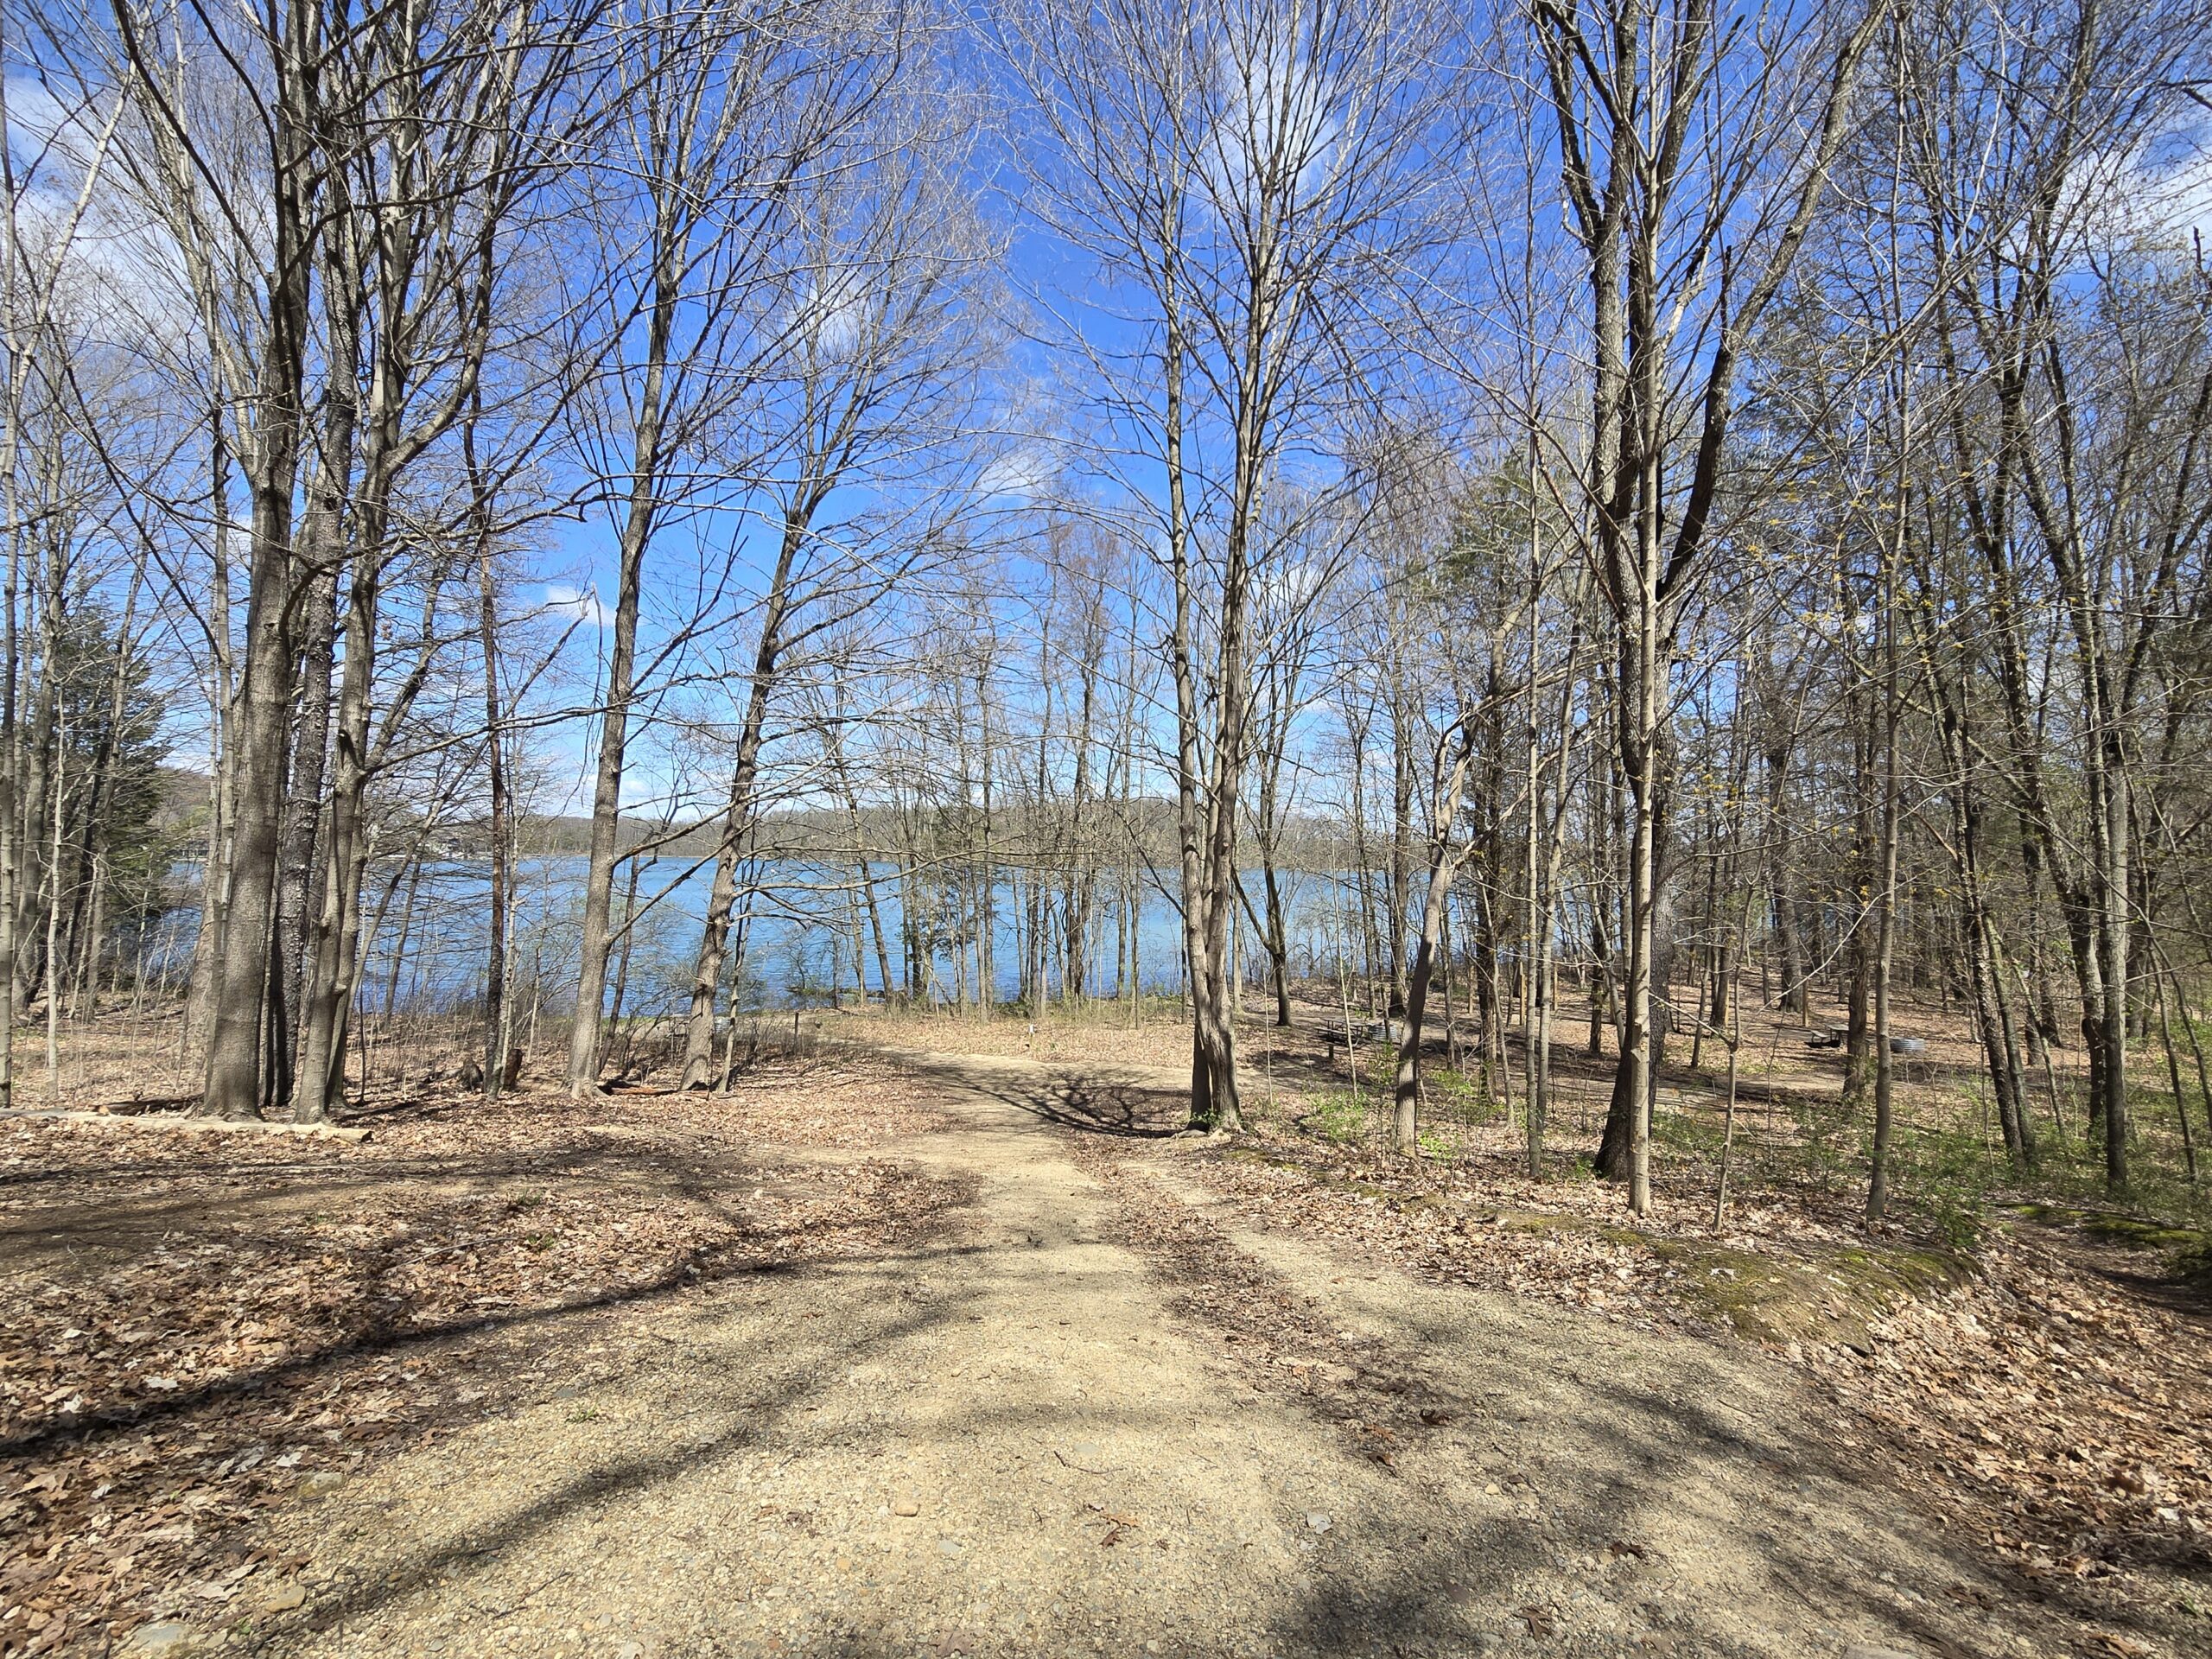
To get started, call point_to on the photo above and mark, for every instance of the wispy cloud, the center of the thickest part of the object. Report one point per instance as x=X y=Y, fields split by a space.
x=124 y=274
x=1025 y=472
x=2177 y=199
x=583 y=603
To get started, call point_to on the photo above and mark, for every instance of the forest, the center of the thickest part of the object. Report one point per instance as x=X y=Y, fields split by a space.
x=1566 y=645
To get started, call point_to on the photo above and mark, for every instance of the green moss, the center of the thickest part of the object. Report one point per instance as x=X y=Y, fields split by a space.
x=2192 y=1264
x=1814 y=1294
x=1826 y=1295
x=2187 y=1251
x=1256 y=1155
x=2116 y=1227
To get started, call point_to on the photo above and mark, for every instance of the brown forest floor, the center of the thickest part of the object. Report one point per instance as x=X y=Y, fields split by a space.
x=653 y=1375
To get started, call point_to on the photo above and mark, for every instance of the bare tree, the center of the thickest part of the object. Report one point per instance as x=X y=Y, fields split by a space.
x=1694 y=145
x=2061 y=397
x=1245 y=169
x=879 y=357
x=723 y=108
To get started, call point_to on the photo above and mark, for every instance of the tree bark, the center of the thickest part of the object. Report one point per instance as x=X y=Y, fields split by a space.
x=738 y=814
x=614 y=717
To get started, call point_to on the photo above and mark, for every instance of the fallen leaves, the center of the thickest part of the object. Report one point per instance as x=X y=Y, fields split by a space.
x=2047 y=1404
x=2055 y=1404
x=1117 y=1527
x=201 y=1328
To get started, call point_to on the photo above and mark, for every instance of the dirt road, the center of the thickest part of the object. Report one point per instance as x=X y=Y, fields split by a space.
x=1029 y=1436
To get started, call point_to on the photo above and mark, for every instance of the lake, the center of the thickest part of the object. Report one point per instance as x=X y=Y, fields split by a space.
x=428 y=924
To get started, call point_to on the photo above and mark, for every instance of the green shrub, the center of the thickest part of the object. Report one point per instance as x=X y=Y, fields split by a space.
x=1340 y=1116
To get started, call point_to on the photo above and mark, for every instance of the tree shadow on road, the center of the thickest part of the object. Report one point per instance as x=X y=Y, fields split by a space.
x=1105 y=1101
x=1098 y=1103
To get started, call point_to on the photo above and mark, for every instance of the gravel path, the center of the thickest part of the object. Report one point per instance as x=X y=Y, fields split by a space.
x=1030 y=1436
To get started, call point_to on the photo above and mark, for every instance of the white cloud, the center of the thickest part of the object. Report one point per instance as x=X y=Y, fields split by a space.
x=834 y=316
x=123 y=272
x=1023 y=471
x=2160 y=196
x=2176 y=202
x=1287 y=586
x=583 y=603
x=1277 y=111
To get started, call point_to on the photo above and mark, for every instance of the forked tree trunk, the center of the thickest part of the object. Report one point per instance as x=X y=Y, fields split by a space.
x=237 y=1078
x=1443 y=865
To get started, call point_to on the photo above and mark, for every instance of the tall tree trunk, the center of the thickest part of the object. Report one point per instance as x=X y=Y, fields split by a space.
x=11 y=762
x=1278 y=943
x=614 y=717
x=841 y=775
x=738 y=814
x=1877 y=1185
x=1190 y=828
x=199 y=986
x=236 y=1079
x=320 y=1087
x=1544 y=907
x=1400 y=852
x=495 y=758
x=323 y=540
x=1405 y=1135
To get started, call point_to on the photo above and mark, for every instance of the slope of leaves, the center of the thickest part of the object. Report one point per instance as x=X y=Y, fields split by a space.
x=2054 y=1409
x=2052 y=1405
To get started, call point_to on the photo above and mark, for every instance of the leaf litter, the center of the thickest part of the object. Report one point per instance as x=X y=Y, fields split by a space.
x=2048 y=1405
x=199 y=1328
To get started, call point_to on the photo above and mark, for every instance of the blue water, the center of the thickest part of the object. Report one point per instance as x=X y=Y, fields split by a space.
x=427 y=930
